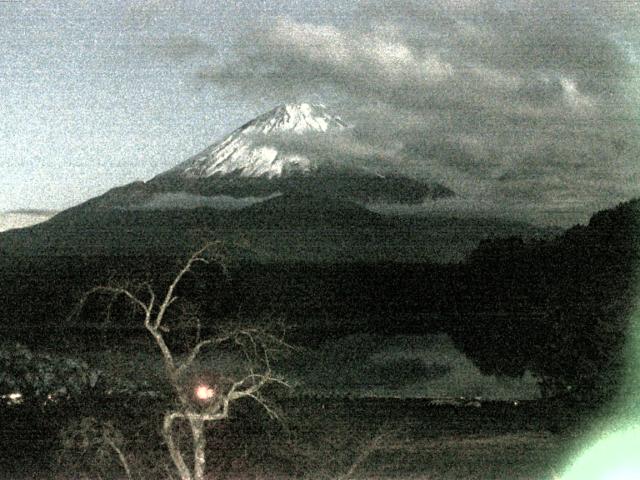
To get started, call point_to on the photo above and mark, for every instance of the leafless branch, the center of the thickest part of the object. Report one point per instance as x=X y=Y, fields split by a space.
x=121 y=457
x=258 y=344
x=194 y=353
x=169 y=297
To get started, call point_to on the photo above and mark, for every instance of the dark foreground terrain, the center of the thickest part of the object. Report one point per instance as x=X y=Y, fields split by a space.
x=316 y=438
x=559 y=308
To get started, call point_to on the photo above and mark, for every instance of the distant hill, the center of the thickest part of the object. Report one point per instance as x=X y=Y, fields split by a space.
x=289 y=227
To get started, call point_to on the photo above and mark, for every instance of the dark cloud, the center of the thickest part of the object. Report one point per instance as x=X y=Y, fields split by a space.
x=528 y=106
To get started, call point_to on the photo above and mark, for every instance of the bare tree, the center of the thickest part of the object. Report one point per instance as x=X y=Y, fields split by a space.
x=198 y=404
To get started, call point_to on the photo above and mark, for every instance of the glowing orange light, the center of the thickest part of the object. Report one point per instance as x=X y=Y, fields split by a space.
x=204 y=392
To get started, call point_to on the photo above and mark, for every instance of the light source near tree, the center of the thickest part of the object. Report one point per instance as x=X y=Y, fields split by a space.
x=204 y=392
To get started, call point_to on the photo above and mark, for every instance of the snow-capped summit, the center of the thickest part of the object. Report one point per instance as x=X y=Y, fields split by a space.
x=248 y=151
x=297 y=118
x=286 y=150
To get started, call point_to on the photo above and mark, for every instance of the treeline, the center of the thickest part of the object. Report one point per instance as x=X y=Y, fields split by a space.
x=316 y=300
x=560 y=308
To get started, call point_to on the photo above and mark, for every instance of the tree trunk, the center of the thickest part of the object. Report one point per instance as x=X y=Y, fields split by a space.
x=199 y=445
x=174 y=450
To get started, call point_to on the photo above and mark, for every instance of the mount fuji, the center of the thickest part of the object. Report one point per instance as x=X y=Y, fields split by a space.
x=266 y=157
x=241 y=152
x=261 y=186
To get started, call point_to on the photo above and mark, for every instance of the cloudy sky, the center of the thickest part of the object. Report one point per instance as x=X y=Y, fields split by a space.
x=524 y=108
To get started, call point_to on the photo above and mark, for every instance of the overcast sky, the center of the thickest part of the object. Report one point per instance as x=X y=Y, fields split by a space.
x=523 y=108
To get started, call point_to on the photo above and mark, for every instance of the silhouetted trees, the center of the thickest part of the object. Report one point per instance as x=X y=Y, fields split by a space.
x=559 y=307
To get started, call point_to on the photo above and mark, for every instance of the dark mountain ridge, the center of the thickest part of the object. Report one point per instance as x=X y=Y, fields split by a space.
x=290 y=227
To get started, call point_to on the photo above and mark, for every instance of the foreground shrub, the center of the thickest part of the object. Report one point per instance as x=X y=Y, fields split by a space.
x=27 y=376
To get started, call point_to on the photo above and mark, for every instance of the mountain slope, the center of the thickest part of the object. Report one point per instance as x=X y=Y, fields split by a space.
x=286 y=206
x=247 y=151
x=292 y=227
x=268 y=156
